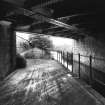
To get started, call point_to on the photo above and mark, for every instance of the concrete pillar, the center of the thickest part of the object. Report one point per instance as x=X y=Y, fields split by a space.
x=7 y=48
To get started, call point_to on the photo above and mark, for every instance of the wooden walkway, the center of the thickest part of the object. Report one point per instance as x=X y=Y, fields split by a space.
x=44 y=82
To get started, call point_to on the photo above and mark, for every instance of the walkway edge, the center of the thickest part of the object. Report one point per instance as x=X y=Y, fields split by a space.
x=90 y=90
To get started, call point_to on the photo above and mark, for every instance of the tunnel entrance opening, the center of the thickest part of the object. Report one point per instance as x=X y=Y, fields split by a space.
x=79 y=64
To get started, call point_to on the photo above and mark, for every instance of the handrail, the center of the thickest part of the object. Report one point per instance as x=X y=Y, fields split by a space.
x=92 y=79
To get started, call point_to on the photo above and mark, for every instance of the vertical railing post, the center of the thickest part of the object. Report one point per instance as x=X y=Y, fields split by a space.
x=72 y=61
x=90 y=69
x=79 y=73
x=67 y=60
x=61 y=57
x=57 y=55
x=64 y=57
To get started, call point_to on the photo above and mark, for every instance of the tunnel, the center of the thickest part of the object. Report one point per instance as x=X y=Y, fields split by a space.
x=52 y=52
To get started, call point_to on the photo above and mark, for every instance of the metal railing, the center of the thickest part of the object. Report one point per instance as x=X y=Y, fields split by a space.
x=89 y=68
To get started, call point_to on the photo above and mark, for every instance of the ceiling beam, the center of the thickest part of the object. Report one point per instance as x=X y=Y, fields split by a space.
x=53 y=21
x=51 y=28
x=61 y=31
x=35 y=7
x=40 y=17
x=15 y=2
x=74 y=15
x=50 y=2
x=65 y=17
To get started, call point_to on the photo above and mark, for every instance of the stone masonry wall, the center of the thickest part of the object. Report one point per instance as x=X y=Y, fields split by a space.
x=6 y=48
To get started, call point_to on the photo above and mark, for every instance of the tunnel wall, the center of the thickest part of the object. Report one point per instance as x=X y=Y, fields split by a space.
x=86 y=47
x=96 y=48
x=7 y=48
x=90 y=46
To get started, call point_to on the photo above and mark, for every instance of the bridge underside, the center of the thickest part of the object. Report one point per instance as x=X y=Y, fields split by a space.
x=76 y=19
x=65 y=18
x=86 y=15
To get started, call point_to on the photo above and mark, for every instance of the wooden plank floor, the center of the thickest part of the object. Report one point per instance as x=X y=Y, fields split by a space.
x=43 y=82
